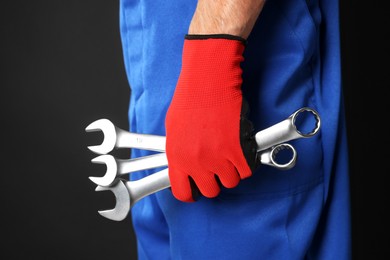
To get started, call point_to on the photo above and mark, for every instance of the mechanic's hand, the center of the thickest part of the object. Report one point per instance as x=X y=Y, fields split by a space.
x=209 y=141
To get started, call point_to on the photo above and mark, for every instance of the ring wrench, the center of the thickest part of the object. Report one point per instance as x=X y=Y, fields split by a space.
x=118 y=167
x=284 y=131
x=297 y=125
x=127 y=193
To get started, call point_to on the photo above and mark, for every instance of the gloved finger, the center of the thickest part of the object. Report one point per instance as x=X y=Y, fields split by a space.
x=194 y=189
x=180 y=185
x=208 y=185
x=228 y=175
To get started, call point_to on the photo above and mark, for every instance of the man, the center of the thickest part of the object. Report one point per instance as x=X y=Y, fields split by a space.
x=195 y=67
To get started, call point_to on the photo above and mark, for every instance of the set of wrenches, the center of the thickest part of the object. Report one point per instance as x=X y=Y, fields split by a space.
x=272 y=150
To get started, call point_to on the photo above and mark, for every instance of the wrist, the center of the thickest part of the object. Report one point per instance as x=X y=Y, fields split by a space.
x=234 y=17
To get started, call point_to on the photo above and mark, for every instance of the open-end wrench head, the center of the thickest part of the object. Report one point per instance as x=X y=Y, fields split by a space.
x=112 y=168
x=109 y=133
x=122 y=206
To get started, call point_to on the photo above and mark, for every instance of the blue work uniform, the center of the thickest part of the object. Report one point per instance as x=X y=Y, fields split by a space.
x=292 y=60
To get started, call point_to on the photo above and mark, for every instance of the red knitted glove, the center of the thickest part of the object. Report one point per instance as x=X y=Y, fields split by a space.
x=208 y=139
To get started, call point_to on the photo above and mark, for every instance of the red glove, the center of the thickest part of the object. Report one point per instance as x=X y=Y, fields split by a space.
x=208 y=139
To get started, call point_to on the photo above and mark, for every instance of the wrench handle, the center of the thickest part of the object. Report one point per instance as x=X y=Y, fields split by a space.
x=149 y=142
x=142 y=163
x=150 y=184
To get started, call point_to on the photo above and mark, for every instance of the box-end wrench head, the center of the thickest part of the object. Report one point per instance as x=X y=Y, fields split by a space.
x=281 y=156
x=303 y=123
x=115 y=137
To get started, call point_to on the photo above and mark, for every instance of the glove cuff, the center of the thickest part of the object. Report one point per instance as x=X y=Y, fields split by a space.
x=214 y=36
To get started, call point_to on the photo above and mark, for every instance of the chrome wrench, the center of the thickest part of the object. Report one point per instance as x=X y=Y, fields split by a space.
x=118 y=167
x=127 y=193
x=115 y=137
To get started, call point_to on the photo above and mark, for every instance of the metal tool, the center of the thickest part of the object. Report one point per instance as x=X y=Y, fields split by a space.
x=284 y=131
x=115 y=137
x=270 y=144
x=127 y=193
x=118 y=167
x=298 y=125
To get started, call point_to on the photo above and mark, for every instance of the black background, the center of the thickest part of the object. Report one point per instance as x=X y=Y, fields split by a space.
x=61 y=68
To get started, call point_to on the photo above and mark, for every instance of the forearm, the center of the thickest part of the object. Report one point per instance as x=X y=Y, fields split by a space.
x=235 y=17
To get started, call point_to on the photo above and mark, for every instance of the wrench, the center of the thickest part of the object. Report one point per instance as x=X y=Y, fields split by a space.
x=117 y=167
x=115 y=137
x=297 y=125
x=127 y=193
x=286 y=130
